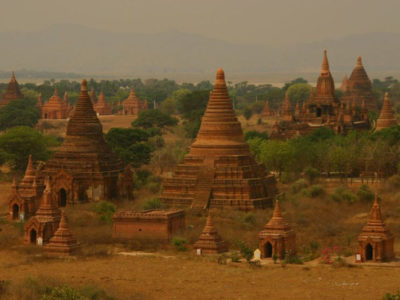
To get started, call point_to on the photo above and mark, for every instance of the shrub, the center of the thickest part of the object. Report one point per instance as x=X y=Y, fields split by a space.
x=342 y=194
x=255 y=134
x=235 y=257
x=365 y=194
x=389 y=296
x=292 y=259
x=141 y=177
x=105 y=210
x=179 y=243
x=245 y=250
x=394 y=181
x=298 y=186
x=153 y=203
x=311 y=174
x=249 y=218
x=314 y=191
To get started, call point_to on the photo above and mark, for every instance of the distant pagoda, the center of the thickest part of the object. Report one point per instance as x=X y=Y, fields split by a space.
x=219 y=170
x=209 y=241
x=101 y=107
x=84 y=168
x=386 y=118
x=55 y=108
x=132 y=105
x=359 y=88
x=267 y=112
x=12 y=93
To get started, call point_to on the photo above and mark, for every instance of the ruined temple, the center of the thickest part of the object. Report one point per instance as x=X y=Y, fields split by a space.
x=62 y=243
x=277 y=238
x=359 y=88
x=55 y=108
x=84 y=168
x=219 y=170
x=132 y=105
x=209 y=241
x=12 y=93
x=376 y=241
x=267 y=112
x=41 y=227
x=26 y=195
x=101 y=107
x=322 y=109
x=386 y=117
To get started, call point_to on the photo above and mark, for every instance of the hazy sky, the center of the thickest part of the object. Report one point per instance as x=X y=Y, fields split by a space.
x=256 y=21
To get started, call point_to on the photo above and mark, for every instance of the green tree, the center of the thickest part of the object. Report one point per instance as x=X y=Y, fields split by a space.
x=154 y=118
x=21 y=112
x=18 y=142
x=299 y=92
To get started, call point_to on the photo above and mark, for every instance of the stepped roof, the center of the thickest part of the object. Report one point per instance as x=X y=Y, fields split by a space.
x=209 y=240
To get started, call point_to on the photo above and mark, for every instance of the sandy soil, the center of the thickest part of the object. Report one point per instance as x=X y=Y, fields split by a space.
x=188 y=277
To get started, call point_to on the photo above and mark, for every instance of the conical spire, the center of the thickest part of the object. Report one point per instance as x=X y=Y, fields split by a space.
x=29 y=168
x=62 y=243
x=359 y=62
x=40 y=100
x=13 y=77
x=220 y=131
x=209 y=241
x=66 y=97
x=386 y=118
x=375 y=215
x=55 y=94
x=277 y=222
x=84 y=121
x=93 y=96
x=359 y=78
x=101 y=100
x=325 y=64
x=345 y=84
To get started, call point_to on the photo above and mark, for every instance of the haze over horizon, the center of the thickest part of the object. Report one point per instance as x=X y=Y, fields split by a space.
x=158 y=37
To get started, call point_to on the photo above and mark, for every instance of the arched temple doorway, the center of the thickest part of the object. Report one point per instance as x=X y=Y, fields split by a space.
x=33 y=236
x=62 y=198
x=268 y=249
x=15 y=212
x=369 y=251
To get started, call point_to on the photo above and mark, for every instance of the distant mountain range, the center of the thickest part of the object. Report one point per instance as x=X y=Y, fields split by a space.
x=81 y=50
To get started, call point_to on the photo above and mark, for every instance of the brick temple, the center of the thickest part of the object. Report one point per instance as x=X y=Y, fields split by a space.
x=84 y=168
x=267 y=112
x=386 y=118
x=209 y=241
x=26 y=195
x=132 y=105
x=322 y=109
x=55 y=108
x=12 y=93
x=376 y=240
x=277 y=238
x=219 y=170
x=101 y=107
x=149 y=224
x=62 y=243
x=42 y=226
x=358 y=88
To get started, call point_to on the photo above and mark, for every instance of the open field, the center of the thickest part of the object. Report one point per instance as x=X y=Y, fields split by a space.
x=189 y=277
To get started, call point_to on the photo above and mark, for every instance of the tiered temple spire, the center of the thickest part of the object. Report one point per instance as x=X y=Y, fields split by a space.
x=219 y=169
x=386 y=118
x=209 y=241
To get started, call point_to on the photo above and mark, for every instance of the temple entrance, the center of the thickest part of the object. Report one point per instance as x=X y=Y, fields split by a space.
x=268 y=249
x=15 y=212
x=319 y=112
x=33 y=236
x=369 y=252
x=62 y=198
x=45 y=116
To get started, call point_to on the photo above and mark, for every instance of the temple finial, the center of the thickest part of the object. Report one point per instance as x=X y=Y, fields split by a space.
x=325 y=63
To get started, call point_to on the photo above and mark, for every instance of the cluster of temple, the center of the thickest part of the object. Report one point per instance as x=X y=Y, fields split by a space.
x=324 y=109
x=83 y=169
x=219 y=170
x=132 y=105
x=61 y=108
